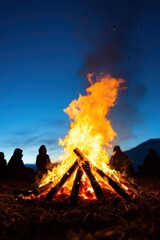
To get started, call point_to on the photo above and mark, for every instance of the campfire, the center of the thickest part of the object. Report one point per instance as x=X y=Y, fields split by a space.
x=82 y=165
x=88 y=175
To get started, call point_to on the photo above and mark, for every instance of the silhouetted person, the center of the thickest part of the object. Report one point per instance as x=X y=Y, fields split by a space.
x=3 y=165
x=120 y=162
x=17 y=169
x=151 y=163
x=15 y=165
x=43 y=161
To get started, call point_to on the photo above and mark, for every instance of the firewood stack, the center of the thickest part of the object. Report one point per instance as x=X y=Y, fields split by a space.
x=82 y=164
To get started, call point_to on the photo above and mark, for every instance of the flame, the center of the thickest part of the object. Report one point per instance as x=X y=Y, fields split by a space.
x=90 y=129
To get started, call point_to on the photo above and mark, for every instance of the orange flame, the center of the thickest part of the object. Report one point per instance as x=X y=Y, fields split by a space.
x=90 y=128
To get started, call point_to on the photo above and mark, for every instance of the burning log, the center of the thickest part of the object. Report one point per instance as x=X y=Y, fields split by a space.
x=39 y=190
x=97 y=189
x=75 y=189
x=86 y=167
x=34 y=191
x=57 y=187
x=82 y=164
x=113 y=184
x=95 y=185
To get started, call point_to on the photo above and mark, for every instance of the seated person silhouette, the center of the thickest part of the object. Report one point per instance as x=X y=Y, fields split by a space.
x=15 y=165
x=17 y=169
x=43 y=161
x=120 y=162
x=151 y=163
x=3 y=165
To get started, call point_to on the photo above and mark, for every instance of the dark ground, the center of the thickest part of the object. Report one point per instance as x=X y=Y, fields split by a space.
x=35 y=219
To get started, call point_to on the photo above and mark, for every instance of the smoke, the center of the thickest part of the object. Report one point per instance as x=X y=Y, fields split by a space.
x=117 y=49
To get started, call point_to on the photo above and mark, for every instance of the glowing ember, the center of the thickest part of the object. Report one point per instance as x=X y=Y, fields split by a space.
x=91 y=130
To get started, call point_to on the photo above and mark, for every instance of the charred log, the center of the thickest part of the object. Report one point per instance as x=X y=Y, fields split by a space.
x=39 y=190
x=57 y=187
x=110 y=181
x=95 y=185
x=35 y=191
x=75 y=189
x=86 y=167
x=113 y=184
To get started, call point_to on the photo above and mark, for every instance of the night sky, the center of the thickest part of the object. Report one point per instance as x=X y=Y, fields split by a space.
x=46 y=50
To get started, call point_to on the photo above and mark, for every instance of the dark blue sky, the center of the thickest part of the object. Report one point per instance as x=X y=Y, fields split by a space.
x=46 y=50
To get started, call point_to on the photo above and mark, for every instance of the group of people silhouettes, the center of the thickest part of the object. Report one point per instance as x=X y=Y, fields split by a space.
x=119 y=161
x=17 y=169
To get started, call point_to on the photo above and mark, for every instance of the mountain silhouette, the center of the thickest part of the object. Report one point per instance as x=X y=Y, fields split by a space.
x=138 y=153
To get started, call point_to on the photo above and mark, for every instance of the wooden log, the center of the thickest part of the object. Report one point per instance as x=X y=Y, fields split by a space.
x=79 y=154
x=95 y=185
x=75 y=189
x=132 y=187
x=57 y=187
x=86 y=167
x=35 y=191
x=110 y=181
x=113 y=184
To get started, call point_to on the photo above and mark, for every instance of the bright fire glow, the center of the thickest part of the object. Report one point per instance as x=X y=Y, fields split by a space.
x=90 y=130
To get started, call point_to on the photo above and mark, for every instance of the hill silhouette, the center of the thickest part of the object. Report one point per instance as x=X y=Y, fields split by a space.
x=138 y=153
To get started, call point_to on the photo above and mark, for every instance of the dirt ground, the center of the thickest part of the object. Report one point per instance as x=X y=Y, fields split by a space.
x=116 y=219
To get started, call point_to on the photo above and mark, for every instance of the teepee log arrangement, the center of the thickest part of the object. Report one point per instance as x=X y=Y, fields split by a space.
x=81 y=165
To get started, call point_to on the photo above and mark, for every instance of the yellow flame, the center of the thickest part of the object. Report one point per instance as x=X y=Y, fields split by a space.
x=90 y=128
